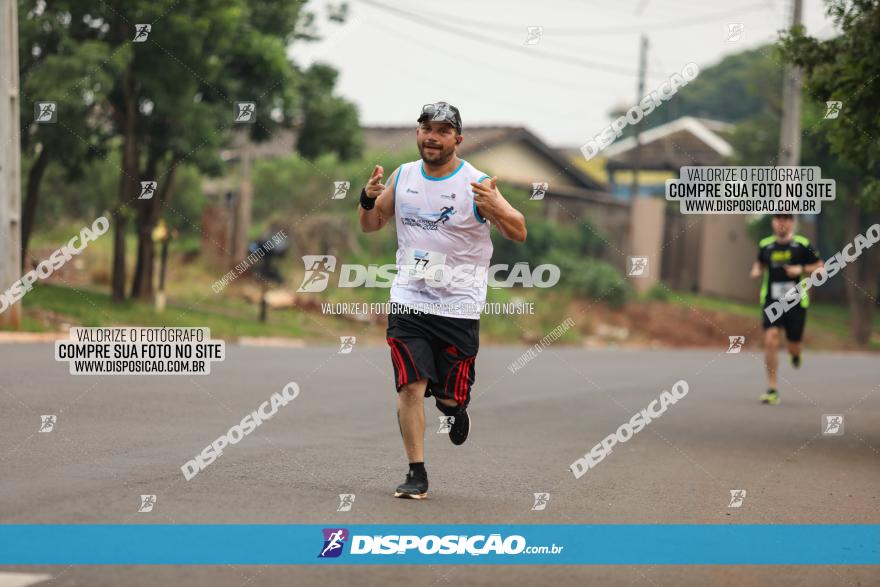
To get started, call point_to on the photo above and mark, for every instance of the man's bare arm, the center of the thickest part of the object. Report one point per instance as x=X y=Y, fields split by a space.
x=496 y=209
x=374 y=219
x=812 y=267
x=757 y=270
x=798 y=270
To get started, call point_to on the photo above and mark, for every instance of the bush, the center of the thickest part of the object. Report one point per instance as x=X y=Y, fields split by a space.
x=658 y=293
x=592 y=279
x=546 y=239
x=291 y=187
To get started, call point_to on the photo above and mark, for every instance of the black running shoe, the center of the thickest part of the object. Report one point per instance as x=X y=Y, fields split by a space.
x=415 y=486
x=461 y=426
x=461 y=423
x=796 y=361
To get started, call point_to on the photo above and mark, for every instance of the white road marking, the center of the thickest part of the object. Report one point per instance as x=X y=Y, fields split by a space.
x=21 y=579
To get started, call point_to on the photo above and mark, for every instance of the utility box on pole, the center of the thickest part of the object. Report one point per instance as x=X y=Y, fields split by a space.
x=10 y=161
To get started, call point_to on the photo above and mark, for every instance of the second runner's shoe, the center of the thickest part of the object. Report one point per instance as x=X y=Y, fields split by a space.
x=796 y=361
x=771 y=397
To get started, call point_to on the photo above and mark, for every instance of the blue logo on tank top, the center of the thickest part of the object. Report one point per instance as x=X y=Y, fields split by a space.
x=423 y=219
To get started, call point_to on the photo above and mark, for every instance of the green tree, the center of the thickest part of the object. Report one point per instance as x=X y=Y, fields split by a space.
x=53 y=67
x=330 y=123
x=172 y=95
x=738 y=88
x=845 y=68
x=176 y=96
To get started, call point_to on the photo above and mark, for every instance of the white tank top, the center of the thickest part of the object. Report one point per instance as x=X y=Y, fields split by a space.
x=443 y=245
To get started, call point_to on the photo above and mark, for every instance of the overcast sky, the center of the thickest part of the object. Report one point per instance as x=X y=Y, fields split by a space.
x=393 y=56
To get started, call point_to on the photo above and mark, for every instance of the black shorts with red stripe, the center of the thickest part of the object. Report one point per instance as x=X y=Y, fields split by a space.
x=437 y=348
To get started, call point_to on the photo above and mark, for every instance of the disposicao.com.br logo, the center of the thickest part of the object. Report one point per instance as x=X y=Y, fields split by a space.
x=334 y=540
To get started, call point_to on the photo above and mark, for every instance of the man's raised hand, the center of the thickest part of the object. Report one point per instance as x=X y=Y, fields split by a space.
x=486 y=196
x=375 y=186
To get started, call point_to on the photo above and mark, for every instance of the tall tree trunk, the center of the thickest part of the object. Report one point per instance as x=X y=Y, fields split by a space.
x=142 y=286
x=35 y=177
x=162 y=198
x=129 y=185
x=861 y=276
x=142 y=281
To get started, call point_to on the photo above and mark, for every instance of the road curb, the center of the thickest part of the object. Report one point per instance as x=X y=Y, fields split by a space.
x=31 y=337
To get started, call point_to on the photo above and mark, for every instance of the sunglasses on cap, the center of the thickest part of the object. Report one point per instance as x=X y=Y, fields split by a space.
x=441 y=112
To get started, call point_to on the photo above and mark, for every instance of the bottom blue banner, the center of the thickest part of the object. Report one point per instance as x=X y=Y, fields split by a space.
x=295 y=544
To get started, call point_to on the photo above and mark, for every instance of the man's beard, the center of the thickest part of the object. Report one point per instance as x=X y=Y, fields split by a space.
x=437 y=157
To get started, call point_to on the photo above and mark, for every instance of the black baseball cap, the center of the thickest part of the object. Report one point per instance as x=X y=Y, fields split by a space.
x=441 y=112
x=783 y=216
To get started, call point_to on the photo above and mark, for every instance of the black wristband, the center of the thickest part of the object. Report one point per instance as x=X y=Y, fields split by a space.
x=367 y=202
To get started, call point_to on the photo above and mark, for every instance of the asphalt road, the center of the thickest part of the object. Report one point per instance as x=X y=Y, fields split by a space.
x=118 y=437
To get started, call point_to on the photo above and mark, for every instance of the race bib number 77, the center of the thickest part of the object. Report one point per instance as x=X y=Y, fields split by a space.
x=417 y=263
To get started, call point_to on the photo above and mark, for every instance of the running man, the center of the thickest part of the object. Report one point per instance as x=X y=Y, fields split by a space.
x=334 y=542
x=783 y=259
x=445 y=213
x=319 y=271
x=47 y=424
x=149 y=188
x=833 y=425
x=433 y=330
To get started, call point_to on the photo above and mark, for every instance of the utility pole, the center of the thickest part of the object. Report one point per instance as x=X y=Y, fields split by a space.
x=637 y=154
x=10 y=161
x=790 y=131
x=244 y=200
x=790 y=128
x=646 y=215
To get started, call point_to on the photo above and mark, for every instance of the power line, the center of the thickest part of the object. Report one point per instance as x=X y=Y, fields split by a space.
x=481 y=38
x=652 y=28
x=491 y=66
x=534 y=106
x=646 y=28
